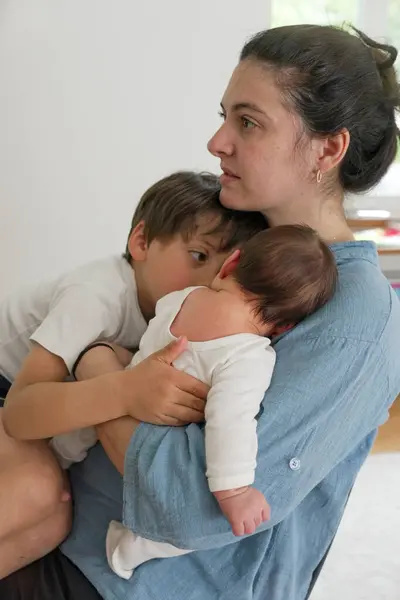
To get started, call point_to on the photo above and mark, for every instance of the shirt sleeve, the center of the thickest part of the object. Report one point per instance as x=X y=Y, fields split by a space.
x=316 y=411
x=77 y=317
x=233 y=403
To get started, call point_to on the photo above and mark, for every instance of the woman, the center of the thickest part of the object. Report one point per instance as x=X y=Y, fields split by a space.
x=302 y=125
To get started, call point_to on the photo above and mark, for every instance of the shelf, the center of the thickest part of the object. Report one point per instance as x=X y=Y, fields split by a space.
x=360 y=224
x=389 y=251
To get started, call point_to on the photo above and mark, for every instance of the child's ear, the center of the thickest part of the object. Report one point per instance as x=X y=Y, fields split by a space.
x=137 y=243
x=230 y=264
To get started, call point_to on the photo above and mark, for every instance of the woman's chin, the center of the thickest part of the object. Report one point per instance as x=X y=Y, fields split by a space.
x=231 y=199
x=235 y=201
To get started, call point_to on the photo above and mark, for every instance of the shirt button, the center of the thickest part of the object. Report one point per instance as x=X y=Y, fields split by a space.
x=294 y=464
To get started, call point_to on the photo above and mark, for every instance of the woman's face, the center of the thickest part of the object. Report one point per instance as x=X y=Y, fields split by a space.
x=262 y=166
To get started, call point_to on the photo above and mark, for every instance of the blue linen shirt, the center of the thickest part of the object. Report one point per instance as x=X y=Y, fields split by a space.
x=336 y=375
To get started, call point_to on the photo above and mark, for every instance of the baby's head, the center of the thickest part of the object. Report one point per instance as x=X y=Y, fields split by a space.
x=283 y=275
x=181 y=235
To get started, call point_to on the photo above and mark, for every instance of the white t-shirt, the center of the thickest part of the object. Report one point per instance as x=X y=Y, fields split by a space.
x=238 y=369
x=95 y=301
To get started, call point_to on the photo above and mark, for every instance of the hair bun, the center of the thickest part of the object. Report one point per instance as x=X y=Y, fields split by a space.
x=384 y=56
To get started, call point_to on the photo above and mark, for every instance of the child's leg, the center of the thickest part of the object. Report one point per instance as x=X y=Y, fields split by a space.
x=22 y=549
x=32 y=498
x=126 y=551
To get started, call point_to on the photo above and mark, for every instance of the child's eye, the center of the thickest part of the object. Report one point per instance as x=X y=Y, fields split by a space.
x=247 y=124
x=199 y=257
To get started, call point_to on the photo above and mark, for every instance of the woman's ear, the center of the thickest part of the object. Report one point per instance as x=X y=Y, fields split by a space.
x=137 y=243
x=230 y=264
x=332 y=150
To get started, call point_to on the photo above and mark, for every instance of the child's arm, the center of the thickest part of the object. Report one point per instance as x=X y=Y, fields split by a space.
x=41 y=405
x=238 y=388
x=100 y=360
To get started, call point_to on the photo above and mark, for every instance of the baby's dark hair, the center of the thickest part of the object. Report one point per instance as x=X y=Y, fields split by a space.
x=174 y=205
x=289 y=273
x=336 y=79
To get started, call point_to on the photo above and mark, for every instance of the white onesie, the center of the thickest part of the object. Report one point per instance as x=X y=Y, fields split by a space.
x=238 y=369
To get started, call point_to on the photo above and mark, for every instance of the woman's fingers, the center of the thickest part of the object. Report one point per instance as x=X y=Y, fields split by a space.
x=191 y=385
x=191 y=402
x=183 y=414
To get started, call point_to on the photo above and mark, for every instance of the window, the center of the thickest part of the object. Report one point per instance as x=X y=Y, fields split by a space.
x=394 y=26
x=378 y=18
x=333 y=12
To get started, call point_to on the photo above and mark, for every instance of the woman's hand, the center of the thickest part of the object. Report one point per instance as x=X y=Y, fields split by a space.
x=155 y=392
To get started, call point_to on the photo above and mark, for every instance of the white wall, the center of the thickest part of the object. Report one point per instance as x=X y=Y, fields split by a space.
x=99 y=98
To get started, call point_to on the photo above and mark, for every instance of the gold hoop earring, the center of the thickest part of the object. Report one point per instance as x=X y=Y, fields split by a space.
x=319 y=176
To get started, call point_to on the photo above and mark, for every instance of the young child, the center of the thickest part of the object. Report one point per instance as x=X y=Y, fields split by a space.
x=180 y=236
x=278 y=278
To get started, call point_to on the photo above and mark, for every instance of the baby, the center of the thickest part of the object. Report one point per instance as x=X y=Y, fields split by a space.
x=278 y=278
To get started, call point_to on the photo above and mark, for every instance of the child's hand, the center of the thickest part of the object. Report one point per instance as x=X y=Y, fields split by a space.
x=245 y=508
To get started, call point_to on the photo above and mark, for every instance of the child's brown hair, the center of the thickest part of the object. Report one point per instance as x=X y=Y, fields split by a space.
x=175 y=204
x=289 y=272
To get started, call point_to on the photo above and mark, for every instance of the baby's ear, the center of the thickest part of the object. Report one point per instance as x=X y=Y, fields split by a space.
x=137 y=243
x=279 y=329
x=230 y=264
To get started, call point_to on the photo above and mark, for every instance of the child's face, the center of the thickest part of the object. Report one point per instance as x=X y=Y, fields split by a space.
x=176 y=264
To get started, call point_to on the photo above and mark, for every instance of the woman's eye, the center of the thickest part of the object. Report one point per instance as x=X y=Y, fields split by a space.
x=247 y=124
x=222 y=115
x=199 y=257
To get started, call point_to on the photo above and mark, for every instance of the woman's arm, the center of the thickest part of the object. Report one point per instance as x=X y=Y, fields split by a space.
x=115 y=435
x=309 y=424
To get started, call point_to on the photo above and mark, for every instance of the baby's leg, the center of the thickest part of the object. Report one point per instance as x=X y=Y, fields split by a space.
x=126 y=551
x=33 y=501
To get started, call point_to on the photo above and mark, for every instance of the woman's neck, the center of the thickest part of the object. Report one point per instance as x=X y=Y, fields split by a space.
x=325 y=216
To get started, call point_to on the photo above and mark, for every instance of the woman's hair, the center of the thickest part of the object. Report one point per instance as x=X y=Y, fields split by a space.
x=337 y=80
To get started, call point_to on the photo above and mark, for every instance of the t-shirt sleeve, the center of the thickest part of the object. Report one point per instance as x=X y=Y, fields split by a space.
x=233 y=403
x=316 y=411
x=77 y=317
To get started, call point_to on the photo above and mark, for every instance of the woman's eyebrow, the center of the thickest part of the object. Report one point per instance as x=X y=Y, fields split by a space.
x=245 y=105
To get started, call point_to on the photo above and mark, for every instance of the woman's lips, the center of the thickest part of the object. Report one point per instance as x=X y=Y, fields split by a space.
x=227 y=176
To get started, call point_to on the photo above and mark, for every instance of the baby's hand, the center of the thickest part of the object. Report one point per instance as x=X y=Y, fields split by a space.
x=245 y=508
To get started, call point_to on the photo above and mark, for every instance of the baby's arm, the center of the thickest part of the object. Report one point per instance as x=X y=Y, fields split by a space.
x=237 y=390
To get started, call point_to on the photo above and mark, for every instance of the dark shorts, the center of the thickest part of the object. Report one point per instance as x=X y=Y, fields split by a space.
x=53 y=577
x=4 y=387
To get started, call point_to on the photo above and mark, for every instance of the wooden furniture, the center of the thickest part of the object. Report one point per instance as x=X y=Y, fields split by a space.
x=360 y=224
x=388 y=439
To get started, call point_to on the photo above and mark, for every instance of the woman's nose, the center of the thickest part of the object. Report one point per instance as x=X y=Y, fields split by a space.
x=220 y=144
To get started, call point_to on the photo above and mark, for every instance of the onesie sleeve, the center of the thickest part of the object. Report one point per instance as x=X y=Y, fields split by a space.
x=233 y=403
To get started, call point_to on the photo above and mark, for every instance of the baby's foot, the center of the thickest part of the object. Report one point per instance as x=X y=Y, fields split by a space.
x=120 y=550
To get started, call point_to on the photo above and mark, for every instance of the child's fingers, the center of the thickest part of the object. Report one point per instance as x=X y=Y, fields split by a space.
x=250 y=526
x=266 y=514
x=258 y=520
x=238 y=528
